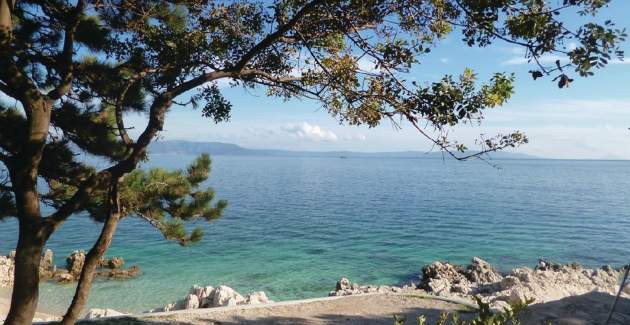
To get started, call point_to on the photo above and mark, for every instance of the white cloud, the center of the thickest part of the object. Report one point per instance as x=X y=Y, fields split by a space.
x=545 y=59
x=444 y=60
x=310 y=132
x=570 y=129
x=354 y=137
x=367 y=65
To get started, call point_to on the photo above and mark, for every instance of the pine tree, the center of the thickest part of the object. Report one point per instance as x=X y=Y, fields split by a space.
x=165 y=199
x=72 y=69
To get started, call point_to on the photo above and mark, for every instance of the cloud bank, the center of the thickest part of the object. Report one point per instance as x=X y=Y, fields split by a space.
x=310 y=132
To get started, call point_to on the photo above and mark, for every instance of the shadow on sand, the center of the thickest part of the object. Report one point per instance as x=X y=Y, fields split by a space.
x=587 y=309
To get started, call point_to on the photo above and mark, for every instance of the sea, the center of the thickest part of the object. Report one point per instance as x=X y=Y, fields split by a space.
x=295 y=225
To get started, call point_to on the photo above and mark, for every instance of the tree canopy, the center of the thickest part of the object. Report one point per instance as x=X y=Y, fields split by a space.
x=72 y=69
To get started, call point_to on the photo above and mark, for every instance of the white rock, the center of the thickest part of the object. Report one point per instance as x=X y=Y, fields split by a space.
x=223 y=294
x=189 y=302
x=47 y=259
x=99 y=313
x=168 y=307
x=205 y=295
x=343 y=284
x=255 y=298
x=7 y=267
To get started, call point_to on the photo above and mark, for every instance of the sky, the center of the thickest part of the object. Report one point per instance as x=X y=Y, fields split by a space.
x=588 y=120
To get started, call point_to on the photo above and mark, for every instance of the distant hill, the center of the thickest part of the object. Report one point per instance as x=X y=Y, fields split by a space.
x=220 y=148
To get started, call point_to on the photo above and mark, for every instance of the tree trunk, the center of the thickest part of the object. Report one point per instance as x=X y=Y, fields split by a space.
x=93 y=258
x=23 y=168
x=26 y=279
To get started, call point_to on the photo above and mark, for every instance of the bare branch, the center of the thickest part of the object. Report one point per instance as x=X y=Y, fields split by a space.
x=447 y=150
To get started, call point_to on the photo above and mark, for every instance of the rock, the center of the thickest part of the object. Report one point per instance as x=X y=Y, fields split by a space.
x=168 y=307
x=440 y=278
x=47 y=268
x=115 y=262
x=7 y=268
x=75 y=262
x=258 y=297
x=226 y=296
x=509 y=282
x=481 y=272
x=191 y=301
x=120 y=274
x=47 y=260
x=204 y=294
x=208 y=296
x=343 y=288
x=343 y=284
x=517 y=295
x=64 y=277
x=100 y=313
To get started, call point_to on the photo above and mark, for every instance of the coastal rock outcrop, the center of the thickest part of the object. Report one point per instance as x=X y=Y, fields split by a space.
x=546 y=282
x=208 y=297
x=100 y=313
x=255 y=298
x=74 y=263
x=344 y=288
x=7 y=268
x=443 y=278
x=107 y=268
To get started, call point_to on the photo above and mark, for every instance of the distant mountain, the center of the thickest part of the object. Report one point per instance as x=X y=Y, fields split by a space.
x=220 y=148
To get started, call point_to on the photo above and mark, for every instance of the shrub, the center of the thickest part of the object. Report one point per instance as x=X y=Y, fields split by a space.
x=509 y=316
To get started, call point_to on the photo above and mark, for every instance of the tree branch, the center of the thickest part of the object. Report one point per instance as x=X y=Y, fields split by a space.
x=104 y=177
x=122 y=131
x=66 y=68
x=275 y=36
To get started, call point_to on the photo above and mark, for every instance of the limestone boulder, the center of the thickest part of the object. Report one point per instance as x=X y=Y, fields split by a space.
x=205 y=294
x=100 y=313
x=481 y=272
x=115 y=262
x=191 y=301
x=255 y=298
x=7 y=268
x=226 y=296
x=442 y=278
x=74 y=262
x=343 y=284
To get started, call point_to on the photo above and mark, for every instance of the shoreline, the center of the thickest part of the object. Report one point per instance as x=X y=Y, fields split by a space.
x=443 y=286
x=42 y=314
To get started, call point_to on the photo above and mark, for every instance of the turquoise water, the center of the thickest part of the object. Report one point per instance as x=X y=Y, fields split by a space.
x=296 y=225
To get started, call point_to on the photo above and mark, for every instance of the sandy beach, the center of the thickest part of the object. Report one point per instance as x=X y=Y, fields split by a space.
x=5 y=303
x=590 y=308
x=561 y=294
x=585 y=309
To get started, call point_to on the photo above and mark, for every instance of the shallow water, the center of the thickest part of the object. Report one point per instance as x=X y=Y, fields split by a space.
x=296 y=225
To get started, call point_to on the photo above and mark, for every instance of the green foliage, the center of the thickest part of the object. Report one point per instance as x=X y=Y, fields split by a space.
x=166 y=200
x=142 y=56
x=317 y=49
x=509 y=316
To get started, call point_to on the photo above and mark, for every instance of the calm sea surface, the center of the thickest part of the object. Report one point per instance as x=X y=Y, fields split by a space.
x=296 y=225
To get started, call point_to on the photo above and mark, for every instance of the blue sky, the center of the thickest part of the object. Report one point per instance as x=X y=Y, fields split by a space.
x=589 y=120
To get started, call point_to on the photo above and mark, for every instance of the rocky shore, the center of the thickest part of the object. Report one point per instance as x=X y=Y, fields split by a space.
x=112 y=268
x=546 y=282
